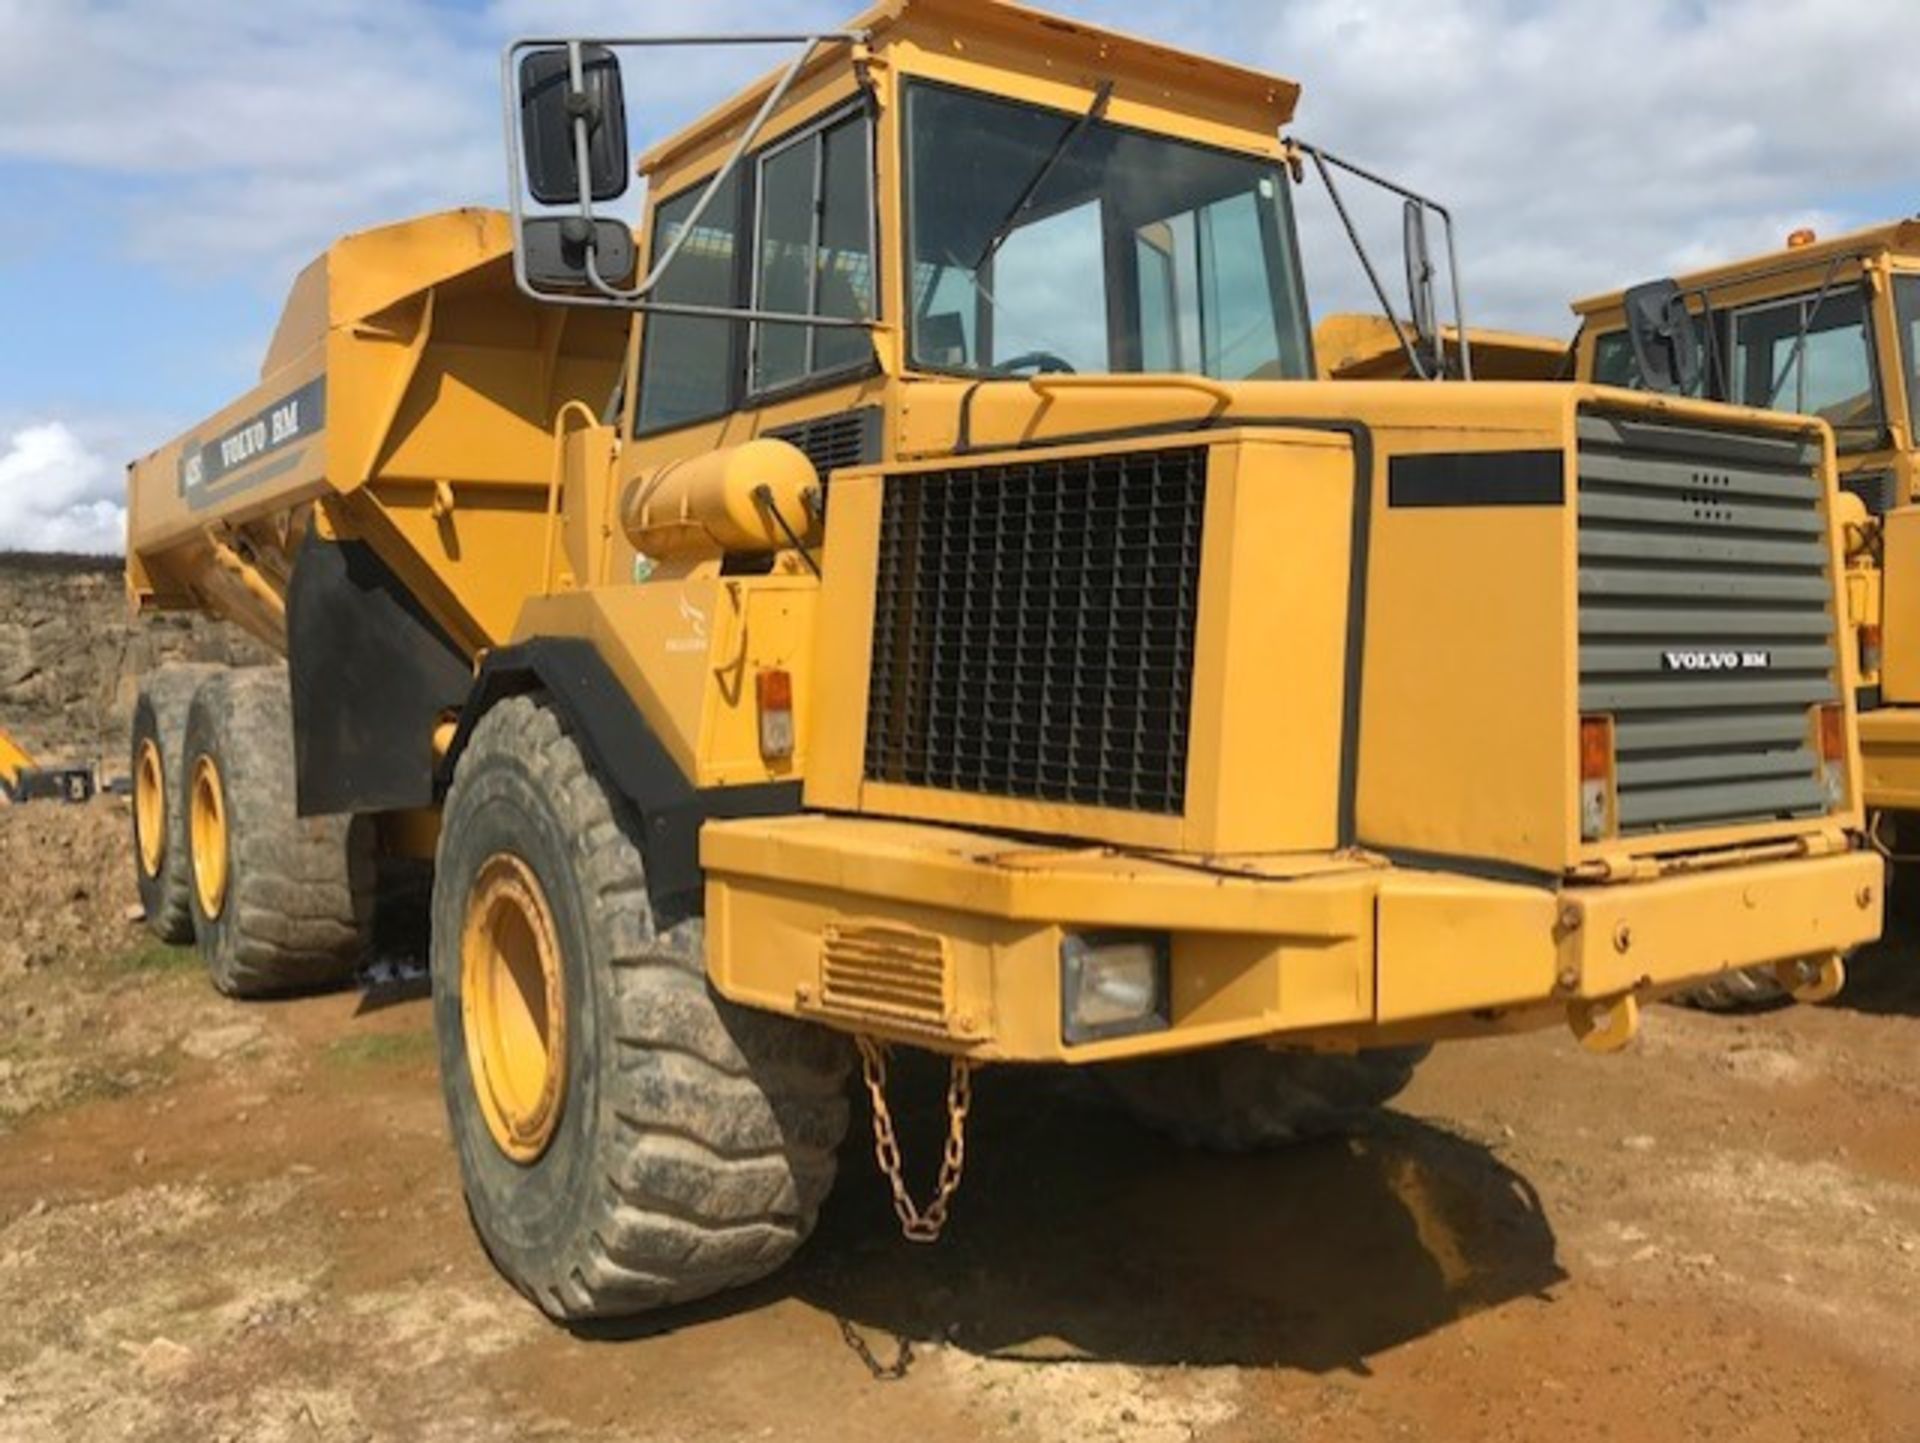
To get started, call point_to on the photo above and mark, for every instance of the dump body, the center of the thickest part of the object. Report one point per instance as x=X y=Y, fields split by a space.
x=412 y=389
x=1353 y=347
x=1860 y=371
x=1293 y=681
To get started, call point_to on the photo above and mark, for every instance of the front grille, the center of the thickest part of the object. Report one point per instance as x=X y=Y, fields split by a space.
x=1034 y=629
x=1706 y=620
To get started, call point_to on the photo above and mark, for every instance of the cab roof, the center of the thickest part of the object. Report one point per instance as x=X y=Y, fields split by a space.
x=1899 y=237
x=1065 y=47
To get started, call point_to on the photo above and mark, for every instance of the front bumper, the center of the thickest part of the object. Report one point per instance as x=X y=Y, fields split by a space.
x=951 y=939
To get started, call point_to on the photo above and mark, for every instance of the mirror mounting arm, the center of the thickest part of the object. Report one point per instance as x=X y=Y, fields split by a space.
x=1324 y=163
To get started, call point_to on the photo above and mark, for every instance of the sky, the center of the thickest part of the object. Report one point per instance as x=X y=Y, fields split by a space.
x=170 y=164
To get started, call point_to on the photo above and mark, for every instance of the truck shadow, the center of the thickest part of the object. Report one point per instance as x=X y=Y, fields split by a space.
x=1078 y=1236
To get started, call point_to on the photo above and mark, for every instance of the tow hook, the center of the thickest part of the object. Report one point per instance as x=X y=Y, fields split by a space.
x=1605 y=1025
x=1813 y=979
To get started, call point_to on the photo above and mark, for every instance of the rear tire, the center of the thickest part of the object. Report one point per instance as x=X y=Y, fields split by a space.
x=692 y=1141
x=289 y=908
x=1239 y=1098
x=1755 y=989
x=160 y=860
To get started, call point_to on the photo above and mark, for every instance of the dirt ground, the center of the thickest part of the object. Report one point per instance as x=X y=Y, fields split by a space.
x=243 y=1222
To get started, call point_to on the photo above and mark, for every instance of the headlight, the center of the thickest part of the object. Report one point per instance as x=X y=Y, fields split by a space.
x=1113 y=984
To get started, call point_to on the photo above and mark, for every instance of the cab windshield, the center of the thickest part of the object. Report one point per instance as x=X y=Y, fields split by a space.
x=1906 y=301
x=1044 y=242
x=1831 y=374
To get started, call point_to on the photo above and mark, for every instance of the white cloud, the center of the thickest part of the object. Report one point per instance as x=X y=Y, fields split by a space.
x=58 y=494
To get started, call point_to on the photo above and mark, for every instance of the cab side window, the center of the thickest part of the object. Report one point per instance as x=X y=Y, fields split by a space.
x=815 y=254
x=687 y=369
x=790 y=231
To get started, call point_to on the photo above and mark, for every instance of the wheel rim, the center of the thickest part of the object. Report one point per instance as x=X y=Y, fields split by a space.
x=149 y=808
x=513 y=1007
x=207 y=822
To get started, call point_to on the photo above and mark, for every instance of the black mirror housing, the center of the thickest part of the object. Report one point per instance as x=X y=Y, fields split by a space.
x=549 y=106
x=1666 y=347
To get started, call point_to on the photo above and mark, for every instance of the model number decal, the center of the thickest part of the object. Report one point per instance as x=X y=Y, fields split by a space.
x=206 y=465
x=1706 y=660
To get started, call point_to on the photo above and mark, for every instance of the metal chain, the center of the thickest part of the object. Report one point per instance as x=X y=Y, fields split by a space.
x=919 y=1225
x=882 y=1372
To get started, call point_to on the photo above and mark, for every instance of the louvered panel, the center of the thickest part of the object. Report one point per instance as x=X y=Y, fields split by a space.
x=847 y=438
x=891 y=973
x=1706 y=620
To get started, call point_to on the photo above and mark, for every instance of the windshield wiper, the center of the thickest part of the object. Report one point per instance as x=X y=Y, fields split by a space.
x=1060 y=148
x=1807 y=318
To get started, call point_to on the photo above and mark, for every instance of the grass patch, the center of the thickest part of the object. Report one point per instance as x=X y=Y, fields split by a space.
x=158 y=957
x=377 y=1049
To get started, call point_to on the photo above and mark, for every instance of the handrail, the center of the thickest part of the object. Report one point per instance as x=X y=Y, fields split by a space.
x=1217 y=391
x=555 y=480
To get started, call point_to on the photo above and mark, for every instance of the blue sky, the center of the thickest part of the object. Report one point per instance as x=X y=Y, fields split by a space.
x=171 y=163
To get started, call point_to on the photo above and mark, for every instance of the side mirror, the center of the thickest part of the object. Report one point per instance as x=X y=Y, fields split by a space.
x=1666 y=347
x=1420 y=297
x=549 y=110
x=554 y=250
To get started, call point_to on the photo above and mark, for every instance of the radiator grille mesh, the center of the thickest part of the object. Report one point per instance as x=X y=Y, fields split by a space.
x=1034 y=629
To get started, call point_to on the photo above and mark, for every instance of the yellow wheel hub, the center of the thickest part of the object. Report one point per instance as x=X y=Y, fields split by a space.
x=149 y=808
x=207 y=829
x=513 y=1007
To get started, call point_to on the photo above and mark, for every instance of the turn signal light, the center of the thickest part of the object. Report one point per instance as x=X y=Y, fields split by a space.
x=1869 y=651
x=774 y=688
x=1830 y=723
x=1833 y=734
x=1596 y=777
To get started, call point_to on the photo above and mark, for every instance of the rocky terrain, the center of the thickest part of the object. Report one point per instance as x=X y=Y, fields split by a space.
x=71 y=654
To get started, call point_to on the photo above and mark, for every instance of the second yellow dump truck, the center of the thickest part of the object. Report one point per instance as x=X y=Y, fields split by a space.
x=1828 y=328
x=925 y=599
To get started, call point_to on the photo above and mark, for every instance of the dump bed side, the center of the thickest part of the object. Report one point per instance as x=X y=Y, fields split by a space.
x=408 y=401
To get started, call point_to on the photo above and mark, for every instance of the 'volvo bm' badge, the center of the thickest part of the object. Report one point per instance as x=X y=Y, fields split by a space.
x=1706 y=660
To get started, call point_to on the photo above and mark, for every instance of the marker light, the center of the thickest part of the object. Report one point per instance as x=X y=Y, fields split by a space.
x=1596 y=777
x=1869 y=651
x=1801 y=239
x=1830 y=722
x=1113 y=984
x=774 y=688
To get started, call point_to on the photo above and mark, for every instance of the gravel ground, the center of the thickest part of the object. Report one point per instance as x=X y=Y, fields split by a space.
x=225 y=1221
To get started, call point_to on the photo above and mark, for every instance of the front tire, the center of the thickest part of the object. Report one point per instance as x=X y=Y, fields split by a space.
x=627 y=1138
x=1243 y=1097
x=280 y=902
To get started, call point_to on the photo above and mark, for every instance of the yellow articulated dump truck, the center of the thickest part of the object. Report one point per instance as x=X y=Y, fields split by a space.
x=24 y=780
x=1829 y=329
x=912 y=591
